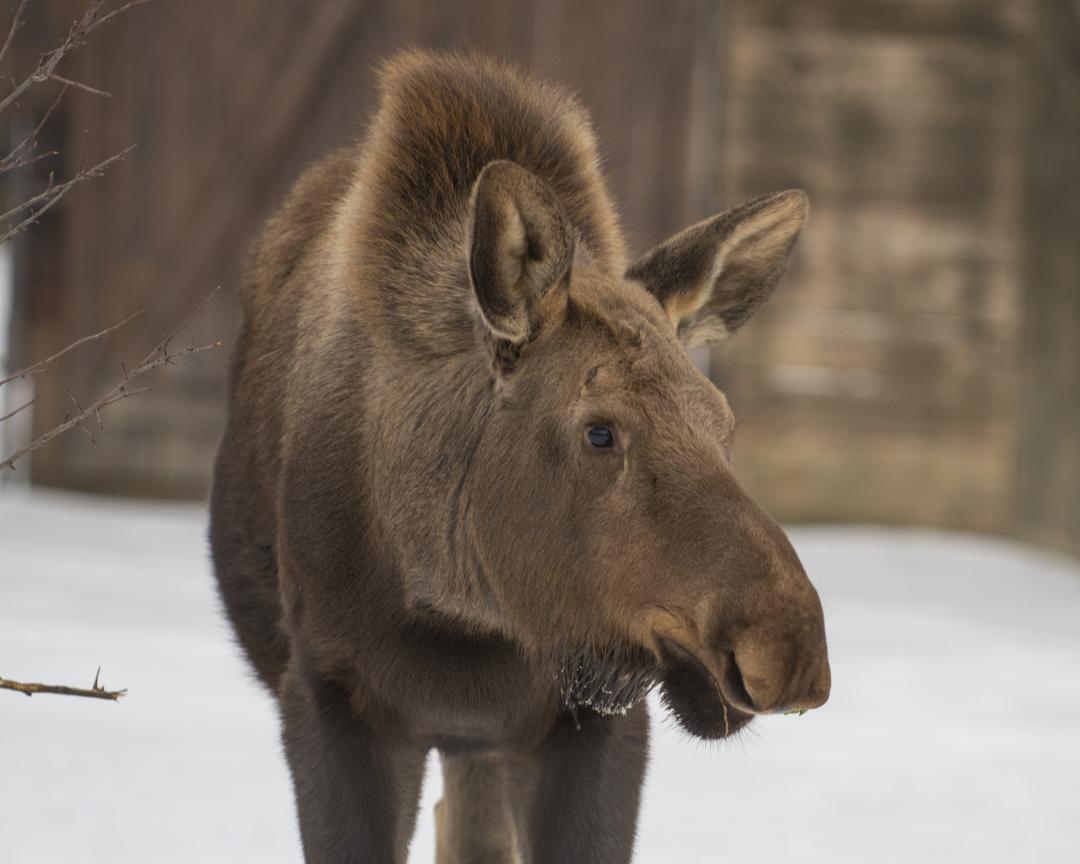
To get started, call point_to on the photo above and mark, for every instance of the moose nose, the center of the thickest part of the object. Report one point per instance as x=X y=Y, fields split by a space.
x=769 y=622
x=768 y=676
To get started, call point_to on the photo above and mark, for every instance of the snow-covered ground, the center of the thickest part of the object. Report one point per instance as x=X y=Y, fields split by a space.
x=953 y=732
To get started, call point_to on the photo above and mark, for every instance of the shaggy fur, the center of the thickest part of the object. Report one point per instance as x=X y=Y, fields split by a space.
x=415 y=540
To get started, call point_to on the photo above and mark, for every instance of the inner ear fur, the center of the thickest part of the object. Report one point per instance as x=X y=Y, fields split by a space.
x=713 y=276
x=521 y=245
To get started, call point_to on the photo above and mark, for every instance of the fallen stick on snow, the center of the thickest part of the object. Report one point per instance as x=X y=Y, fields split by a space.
x=95 y=691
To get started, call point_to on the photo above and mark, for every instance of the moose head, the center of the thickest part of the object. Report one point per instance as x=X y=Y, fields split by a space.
x=604 y=508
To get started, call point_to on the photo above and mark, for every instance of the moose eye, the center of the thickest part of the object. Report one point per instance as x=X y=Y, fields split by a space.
x=600 y=437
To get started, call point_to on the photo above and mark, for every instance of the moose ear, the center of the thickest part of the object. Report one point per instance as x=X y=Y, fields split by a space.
x=712 y=276
x=521 y=245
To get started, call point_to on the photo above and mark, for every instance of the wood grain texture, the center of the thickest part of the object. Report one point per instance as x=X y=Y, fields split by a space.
x=884 y=382
x=1048 y=464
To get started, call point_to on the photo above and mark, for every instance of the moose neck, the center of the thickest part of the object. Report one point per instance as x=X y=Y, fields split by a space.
x=421 y=466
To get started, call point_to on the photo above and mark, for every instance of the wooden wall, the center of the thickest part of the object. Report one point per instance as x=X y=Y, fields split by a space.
x=227 y=104
x=1048 y=466
x=919 y=364
x=882 y=384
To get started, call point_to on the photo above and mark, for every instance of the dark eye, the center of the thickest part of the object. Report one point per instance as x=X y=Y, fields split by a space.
x=600 y=437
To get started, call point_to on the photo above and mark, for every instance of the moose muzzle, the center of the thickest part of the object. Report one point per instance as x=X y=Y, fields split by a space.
x=756 y=632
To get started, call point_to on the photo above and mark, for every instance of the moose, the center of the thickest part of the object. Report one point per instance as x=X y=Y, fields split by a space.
x=474 y=496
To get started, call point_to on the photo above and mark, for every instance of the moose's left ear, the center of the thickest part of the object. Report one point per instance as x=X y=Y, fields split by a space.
x=711 y=277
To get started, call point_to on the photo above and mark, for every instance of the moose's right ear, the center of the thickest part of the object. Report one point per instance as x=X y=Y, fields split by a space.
x=520 y=246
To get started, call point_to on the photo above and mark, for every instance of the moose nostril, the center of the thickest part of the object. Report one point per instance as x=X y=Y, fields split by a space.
x=734 y=685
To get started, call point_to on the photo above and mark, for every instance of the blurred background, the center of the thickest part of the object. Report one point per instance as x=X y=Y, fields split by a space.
x=919 y=364
x=917 y=373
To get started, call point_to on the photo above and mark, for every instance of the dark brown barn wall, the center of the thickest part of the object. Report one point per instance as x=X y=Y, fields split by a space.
x=919 y=365
x=227 y=105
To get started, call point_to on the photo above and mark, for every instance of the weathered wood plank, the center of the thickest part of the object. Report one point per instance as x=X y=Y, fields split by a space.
x=986 y=20
x=894 y=342
x=1048 y=467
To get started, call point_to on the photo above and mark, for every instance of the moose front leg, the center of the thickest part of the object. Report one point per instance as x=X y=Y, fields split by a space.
x=576 y=797
x=473 y=821
x=356 y=795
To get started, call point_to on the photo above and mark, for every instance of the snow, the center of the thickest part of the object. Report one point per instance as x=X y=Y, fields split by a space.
x=953 y=732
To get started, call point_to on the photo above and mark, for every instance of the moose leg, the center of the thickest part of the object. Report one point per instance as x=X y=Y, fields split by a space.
x=356 y=796
x=473 y=822
x=576 y=797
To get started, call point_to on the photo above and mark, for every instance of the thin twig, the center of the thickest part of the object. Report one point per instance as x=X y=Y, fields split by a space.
x=95 y=691
x=50 y=196
x=76 y=36
x=29 y=160
x=44 y=195
x=176 y=331
x=16 y=23
x=10 y=161
x=43 y=365
x=68 y=82
x=23 y=407
x=160 y=356
x=13 y=159
x=118 y=11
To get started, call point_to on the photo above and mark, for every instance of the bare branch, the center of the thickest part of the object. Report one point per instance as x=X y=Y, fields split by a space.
x=95 y=691
x=29 y=160
x=50 y=196
x=118 y=11
x=12 y=160
x=16 y=23
x=76 y=36
x=68 y=82
x=22 y=407
x=43 y=365
x=44 y=195
x=161 y=355
x=195 y=313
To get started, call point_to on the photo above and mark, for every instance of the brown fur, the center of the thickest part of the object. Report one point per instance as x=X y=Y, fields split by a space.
x=415 y=542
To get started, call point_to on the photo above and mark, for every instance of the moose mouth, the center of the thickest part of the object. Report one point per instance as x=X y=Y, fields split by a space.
x=613 y=682
x=704 y=707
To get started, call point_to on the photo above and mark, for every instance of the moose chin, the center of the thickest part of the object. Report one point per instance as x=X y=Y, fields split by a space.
x=474 y=496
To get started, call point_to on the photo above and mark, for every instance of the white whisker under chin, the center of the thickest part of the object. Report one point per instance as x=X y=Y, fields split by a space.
x=609 y=683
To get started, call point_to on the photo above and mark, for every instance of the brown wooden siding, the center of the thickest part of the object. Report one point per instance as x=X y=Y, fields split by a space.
x=227 y=104
x=1048 y=467
x=919 y=365
x=882 y=383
